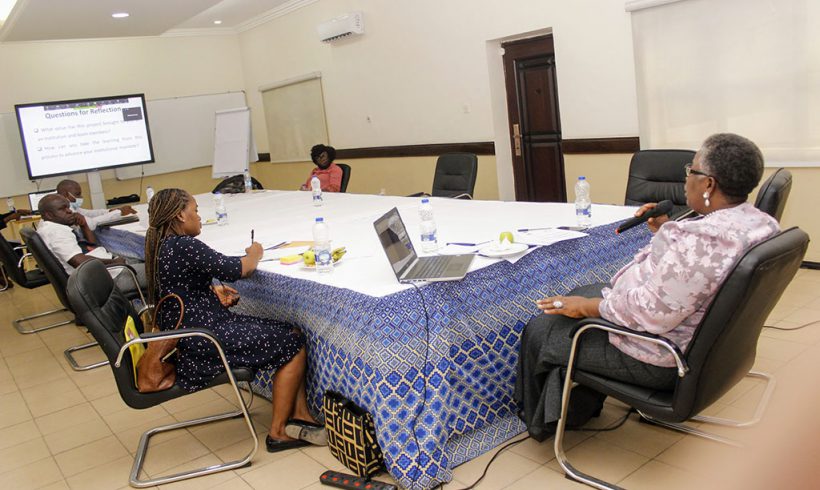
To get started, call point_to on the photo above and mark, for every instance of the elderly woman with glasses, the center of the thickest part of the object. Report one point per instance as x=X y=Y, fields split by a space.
x=665 y=290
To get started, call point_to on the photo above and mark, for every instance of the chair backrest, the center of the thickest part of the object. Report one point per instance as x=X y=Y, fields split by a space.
x=345 y=176
x=236 y=185
x=658 y=175
x=455 y=174
x=51 y=267
x=772 y=196
x=9 y=259
x=104 y=309
x=723 y=348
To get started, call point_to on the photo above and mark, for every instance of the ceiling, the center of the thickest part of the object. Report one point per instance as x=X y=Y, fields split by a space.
x=37 y=20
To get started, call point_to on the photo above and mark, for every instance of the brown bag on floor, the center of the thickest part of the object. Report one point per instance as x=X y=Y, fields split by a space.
x=154 y=372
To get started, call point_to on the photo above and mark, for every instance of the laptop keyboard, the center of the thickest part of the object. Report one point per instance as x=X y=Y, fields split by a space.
x=429 y=267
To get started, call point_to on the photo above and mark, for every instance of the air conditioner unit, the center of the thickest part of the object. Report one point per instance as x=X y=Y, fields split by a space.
x=341 y=26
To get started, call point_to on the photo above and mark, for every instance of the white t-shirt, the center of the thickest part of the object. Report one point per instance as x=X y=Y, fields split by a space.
x=62 y=242
x=95 y=217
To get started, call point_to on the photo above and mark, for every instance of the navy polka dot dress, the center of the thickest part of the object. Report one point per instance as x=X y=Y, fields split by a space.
x=186 y=267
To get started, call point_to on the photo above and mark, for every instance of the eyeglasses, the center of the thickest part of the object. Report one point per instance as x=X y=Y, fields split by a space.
x=689 y=171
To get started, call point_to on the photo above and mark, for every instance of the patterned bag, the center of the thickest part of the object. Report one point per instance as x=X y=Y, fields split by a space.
x=351 y=435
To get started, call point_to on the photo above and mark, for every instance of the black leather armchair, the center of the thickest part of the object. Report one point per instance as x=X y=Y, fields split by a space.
x=773 y=194
x=455 y=176
x=345 y=176
x=720 y=354
x=104 y=309
x=657 y=175
x=13 y=269
x=58 y=277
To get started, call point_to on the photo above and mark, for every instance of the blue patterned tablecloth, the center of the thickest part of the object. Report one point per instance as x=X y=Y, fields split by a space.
x=435 y=366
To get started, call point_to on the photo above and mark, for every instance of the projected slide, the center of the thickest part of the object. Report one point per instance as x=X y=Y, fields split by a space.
x=83 y=135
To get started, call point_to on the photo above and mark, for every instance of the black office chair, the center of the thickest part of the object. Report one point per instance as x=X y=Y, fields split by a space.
x=720 y=354
x=104 y=309
x=58 y=277
x=236 y=185
x=658 y=175
x=13 y=270
x=773 y=194
x=345 y=176
x=455 y=176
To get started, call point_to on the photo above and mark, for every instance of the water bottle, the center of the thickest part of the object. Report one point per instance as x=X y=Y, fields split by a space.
x=221 y=212
x=321 y=246
x=248 y=181
x=149 y=193
x=316 y=187
x=10 y=204
x=428 y=227
x=583 y=203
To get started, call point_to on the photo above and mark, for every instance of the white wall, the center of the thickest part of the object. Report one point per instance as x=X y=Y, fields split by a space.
x=421 y=70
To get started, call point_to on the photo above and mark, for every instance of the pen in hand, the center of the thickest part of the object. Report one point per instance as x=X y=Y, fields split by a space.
x=251 y=236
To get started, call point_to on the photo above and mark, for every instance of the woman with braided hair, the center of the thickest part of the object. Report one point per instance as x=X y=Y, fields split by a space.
x=177 y=262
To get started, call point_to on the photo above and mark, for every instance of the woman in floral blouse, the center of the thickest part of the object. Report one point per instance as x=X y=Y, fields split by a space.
x=665 y=290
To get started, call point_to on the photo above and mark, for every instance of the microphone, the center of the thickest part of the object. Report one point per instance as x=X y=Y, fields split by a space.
x=662 y=208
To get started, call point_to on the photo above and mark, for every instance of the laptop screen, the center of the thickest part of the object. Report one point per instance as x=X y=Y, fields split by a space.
x=393 y=237
x=34 y=198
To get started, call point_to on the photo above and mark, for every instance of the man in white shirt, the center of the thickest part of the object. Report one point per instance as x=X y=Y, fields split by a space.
x=58 y=235
x=72 y=191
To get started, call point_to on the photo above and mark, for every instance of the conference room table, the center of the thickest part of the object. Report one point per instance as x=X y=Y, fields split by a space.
x=435 y=364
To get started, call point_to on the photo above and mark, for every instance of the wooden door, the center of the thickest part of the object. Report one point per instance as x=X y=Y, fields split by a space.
x=535 y=123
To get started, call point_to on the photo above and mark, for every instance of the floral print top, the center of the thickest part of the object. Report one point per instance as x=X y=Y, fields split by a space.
x=670 y=283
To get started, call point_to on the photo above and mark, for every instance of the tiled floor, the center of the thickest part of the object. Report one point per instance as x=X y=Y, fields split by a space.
x=63 y=429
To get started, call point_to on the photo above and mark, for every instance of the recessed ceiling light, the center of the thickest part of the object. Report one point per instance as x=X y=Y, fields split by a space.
x=120 y=15
x=217 y=22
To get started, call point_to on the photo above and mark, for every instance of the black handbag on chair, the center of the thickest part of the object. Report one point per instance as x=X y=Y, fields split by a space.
x=351 y=435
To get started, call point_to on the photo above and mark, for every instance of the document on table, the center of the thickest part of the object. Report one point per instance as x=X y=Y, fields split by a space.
x=548 y=236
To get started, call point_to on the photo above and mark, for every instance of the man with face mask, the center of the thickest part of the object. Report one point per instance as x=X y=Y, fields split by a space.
x=58 y=235
x=72 y=191
x=329 y=174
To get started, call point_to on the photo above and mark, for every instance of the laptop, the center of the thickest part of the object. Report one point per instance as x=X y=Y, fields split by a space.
x=34 y=199
x=132 y=218
x=408 y=266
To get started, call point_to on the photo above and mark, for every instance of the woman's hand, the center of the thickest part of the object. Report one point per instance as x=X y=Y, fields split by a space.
x=571 y=306
x=652 y=223
x=227 y=295
x=253 y=255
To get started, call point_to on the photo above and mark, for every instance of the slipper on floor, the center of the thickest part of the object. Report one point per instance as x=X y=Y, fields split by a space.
x=304 y=423
x=275 y=445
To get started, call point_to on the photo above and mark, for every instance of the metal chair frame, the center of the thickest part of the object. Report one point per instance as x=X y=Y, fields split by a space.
x=683 y=369
x=18 y=323
x=142 y=448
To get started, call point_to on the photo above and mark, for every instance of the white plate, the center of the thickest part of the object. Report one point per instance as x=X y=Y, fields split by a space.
x=313 y=267
x=493 y=251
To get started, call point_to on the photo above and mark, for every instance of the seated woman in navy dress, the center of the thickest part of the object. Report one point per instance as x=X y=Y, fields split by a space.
x=177 y=262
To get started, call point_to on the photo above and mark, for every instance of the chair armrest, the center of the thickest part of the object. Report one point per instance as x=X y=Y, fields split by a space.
x=23 y=258
x=419 y=194
x=600 y=324
x=180 y=334
x=463 y=196
x=147 y=338
x=132 y=274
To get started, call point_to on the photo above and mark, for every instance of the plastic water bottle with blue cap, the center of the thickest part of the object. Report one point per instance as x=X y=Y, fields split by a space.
x=316 y=188
x=221 y=211
x=583 y=203
x=248 y=181
x=429 y=242
x=321 y=246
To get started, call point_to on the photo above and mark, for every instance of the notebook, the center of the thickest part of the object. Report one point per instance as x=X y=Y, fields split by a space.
x=133 y=218
x=408 y=266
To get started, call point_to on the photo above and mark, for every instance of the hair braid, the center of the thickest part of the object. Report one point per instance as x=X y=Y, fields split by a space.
x=163 y=208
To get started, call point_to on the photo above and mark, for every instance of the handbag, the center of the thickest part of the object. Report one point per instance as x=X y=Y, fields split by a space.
x=154 y=372
x=351 y=435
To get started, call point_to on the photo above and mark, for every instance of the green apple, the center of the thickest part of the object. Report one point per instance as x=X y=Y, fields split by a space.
x=506 y=235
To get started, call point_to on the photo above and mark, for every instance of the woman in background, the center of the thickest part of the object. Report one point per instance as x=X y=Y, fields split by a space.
x=329 y=174
x=177 y=262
